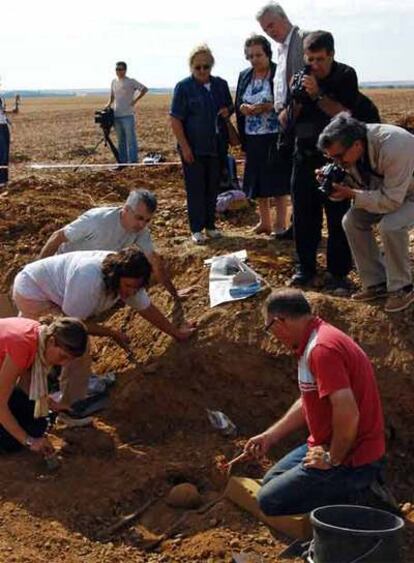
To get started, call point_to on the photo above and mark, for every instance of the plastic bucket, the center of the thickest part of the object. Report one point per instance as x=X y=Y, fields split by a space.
x=351 y=534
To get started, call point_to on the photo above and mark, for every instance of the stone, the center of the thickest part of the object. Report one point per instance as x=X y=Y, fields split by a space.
x=185 y=495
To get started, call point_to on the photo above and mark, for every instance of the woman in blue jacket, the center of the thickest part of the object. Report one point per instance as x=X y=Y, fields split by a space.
x=200 y=107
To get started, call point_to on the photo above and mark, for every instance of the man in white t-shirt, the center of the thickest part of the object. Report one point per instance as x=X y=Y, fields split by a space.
x=125 y=93
x=87 y=284
x=114 y=228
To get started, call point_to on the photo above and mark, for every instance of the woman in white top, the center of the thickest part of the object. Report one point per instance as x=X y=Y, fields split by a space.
x=4 y=145
x=85 y=284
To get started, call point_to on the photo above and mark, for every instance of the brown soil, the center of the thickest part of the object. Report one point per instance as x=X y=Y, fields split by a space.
x=156 y=433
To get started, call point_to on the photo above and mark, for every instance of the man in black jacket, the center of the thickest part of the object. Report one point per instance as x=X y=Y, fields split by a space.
x=327 y=88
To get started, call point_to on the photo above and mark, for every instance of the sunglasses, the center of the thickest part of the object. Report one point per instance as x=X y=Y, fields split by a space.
x=202 y=67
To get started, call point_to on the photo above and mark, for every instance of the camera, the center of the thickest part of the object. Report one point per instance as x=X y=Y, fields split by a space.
x=105 y=118
x=332 y=174
x=297 y=89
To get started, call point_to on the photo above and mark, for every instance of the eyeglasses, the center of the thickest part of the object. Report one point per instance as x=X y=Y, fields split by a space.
x=120 y=69
x=255 y=56
x=139 y=217
x=337 y=156
x=202 y=67
x=269 y=325
x=318 y=60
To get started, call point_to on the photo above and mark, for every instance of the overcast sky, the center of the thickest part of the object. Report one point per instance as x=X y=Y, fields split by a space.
x=74 y=44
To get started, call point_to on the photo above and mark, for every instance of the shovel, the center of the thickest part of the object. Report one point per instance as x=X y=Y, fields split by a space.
x=222 y=472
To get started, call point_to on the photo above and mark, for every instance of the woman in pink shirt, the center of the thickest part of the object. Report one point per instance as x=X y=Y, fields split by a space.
x=28 y=350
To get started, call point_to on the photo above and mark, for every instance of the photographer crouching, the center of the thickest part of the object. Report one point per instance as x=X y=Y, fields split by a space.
x=320 y=91
x=379 y=164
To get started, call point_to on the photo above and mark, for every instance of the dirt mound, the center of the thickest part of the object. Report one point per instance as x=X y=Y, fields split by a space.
x=156 y=433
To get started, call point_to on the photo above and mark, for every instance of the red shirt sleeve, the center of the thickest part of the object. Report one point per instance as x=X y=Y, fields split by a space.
x=329 y=370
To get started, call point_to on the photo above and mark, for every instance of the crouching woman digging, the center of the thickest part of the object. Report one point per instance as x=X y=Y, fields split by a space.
x=88 y=284
x=28 y=350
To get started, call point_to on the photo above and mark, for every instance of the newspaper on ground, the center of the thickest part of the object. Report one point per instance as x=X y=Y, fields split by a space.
x=231 y=279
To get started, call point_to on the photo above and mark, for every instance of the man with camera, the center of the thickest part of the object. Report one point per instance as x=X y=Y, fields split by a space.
x=379 y=164
x=275 y=23
x=124 y=97
x=114 y=228
x=322 y=89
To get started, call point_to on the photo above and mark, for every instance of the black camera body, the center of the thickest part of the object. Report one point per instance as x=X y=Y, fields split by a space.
x=332 y=174
x=105 y=118
x=297 y=89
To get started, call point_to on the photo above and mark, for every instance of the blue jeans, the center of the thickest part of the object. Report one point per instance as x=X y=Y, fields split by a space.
x=127 y=138
x=22 y=408
x=290 y=488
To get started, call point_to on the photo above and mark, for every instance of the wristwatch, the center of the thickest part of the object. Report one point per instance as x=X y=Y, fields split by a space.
x=327 y=459
x=29 y=442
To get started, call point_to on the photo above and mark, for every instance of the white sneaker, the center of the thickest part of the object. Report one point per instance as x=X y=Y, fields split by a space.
x=73 y=422
x=198 y=238
x=213 y=233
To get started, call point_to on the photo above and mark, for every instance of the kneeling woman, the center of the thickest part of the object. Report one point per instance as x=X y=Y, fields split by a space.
x=28 y=350
x=86 y=284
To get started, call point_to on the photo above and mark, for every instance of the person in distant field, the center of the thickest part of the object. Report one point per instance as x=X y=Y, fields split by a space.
x=114 y=228
x=87 y=284
x=28 y=350
x=125 y=93
x=200 y=106
x=4 y=146
x=276 y=24
x=340 y=406
x=258 y=130
x=379 y=159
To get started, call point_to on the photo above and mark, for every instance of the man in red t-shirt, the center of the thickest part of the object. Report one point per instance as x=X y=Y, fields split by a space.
x=340 y=405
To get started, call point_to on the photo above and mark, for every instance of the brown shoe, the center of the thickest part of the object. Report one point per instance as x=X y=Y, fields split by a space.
x=371 y=293
x=399 y=301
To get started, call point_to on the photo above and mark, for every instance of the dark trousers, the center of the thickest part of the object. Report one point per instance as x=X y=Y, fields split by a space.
x=22 y=409
x=202 y=179
x=291 y=488
x=308 y=206
x=4 y=152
